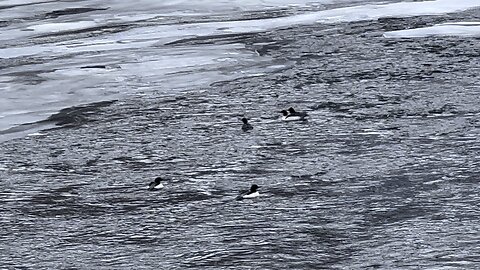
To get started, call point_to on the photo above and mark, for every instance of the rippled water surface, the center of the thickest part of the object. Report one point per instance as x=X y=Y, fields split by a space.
x=383 y=175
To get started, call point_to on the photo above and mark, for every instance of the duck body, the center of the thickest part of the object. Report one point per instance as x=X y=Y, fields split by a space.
x=252 y=193
x=295 y=116
x=155 y=184
x=293 y=113
x=246 y=126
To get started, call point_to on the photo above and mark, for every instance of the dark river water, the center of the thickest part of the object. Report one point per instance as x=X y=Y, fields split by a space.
x=383 y=175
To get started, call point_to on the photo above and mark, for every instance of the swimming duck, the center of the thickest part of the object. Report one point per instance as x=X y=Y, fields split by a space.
x=246 y=126
x=292 y=112
x=155 y=184
x=252 y=193
x=292 y=115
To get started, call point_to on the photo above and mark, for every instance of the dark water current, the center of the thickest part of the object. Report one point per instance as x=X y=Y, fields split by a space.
x=383 y=175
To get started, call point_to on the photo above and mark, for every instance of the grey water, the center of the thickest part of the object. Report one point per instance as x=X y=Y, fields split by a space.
x=383 y=175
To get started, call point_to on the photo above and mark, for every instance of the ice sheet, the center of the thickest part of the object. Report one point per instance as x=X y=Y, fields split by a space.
x=168 y=33
x=444 y=29
x=59 y=27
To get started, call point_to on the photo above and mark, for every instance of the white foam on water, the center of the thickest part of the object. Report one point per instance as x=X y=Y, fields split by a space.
x=35 y=134
x=471 y=29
